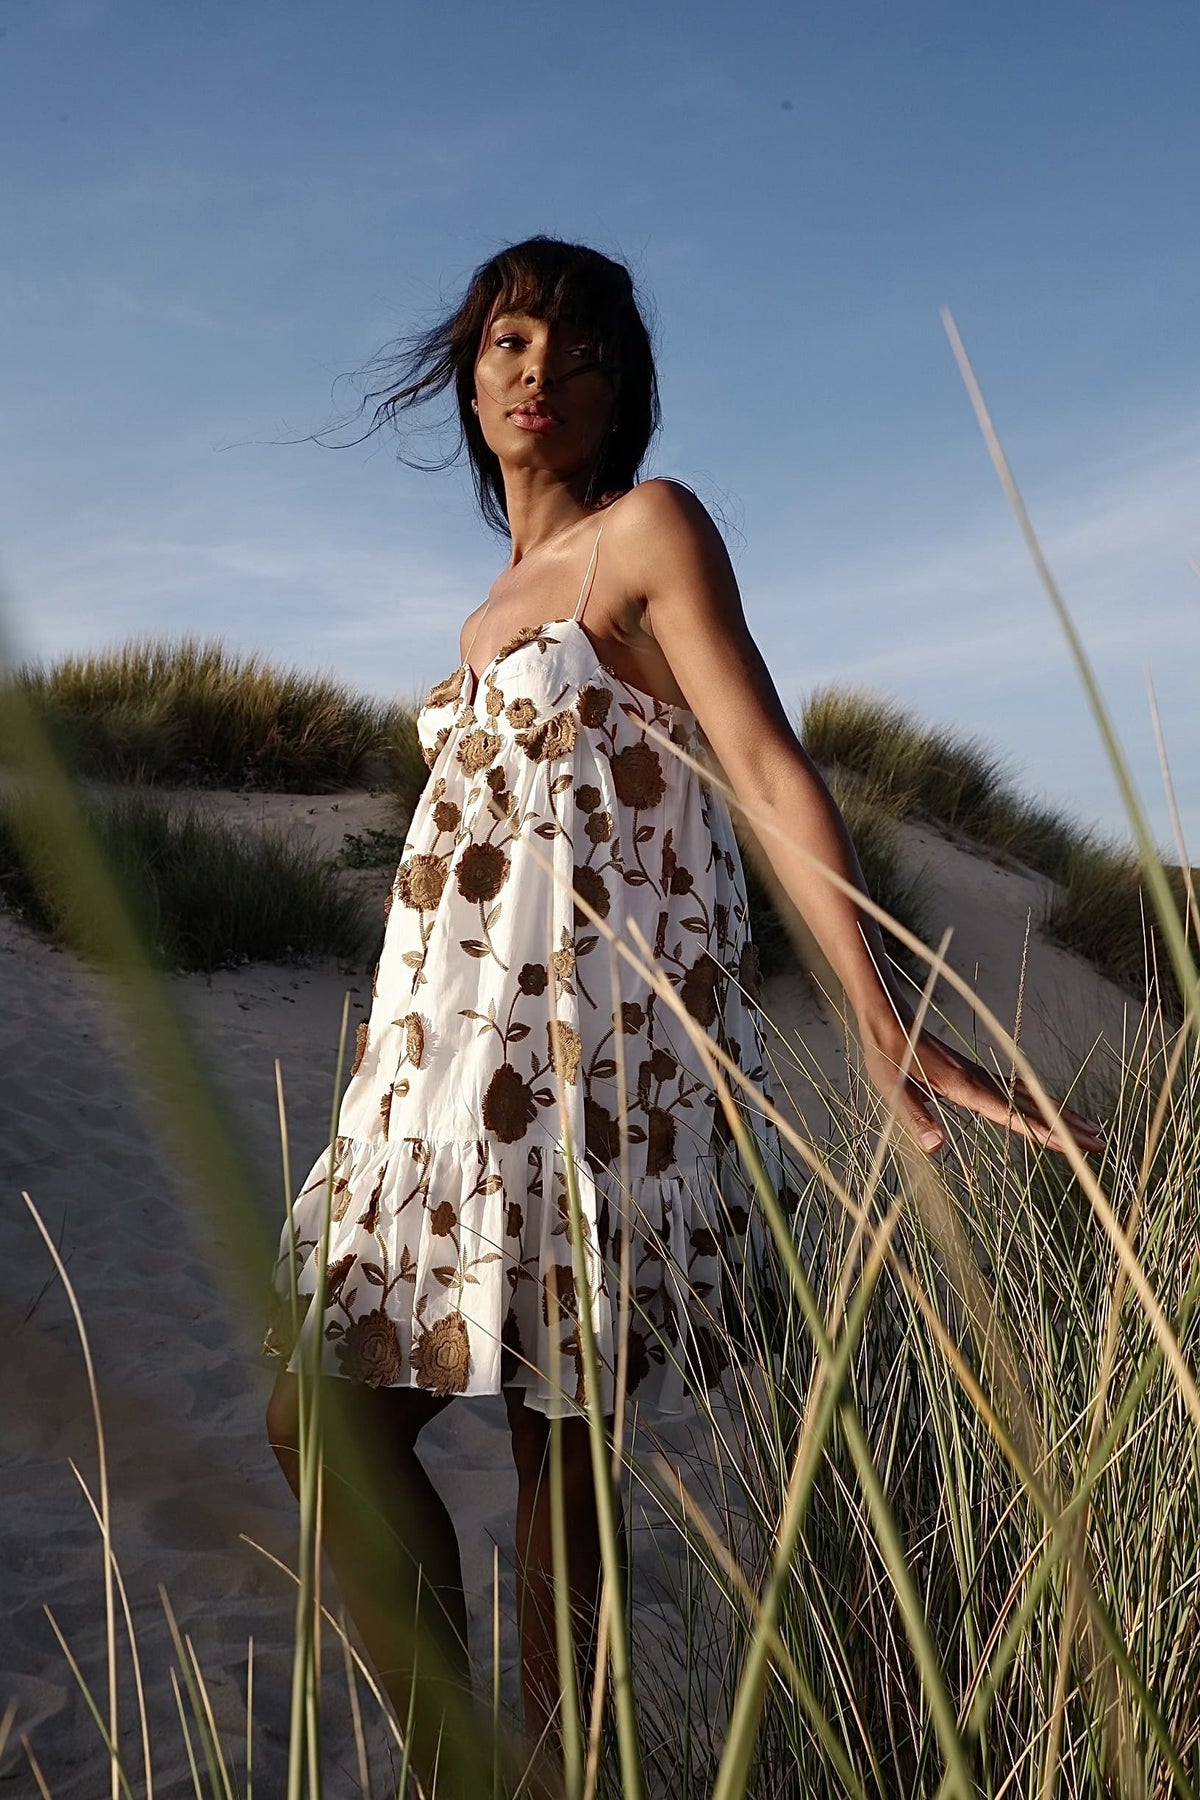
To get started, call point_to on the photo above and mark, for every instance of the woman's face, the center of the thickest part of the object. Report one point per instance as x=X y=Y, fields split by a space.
x=544 y=401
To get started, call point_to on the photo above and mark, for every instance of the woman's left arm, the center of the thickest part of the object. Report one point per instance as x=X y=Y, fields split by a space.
x=694 y=613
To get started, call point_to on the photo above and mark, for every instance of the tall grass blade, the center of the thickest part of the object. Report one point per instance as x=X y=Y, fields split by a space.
x=1164 y=900
x=110 y=1624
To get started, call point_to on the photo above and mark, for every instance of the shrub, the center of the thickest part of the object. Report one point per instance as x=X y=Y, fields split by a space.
x=193 y=712
x=1102 y=910
x=205 y=895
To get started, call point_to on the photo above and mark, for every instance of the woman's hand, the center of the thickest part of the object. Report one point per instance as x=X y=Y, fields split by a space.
x=936 y=1069
x=671 y=553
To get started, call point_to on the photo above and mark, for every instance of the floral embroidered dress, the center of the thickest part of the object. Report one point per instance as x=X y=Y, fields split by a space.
x=503 y=1025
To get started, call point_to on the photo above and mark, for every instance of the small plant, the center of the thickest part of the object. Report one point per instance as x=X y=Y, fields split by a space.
x=205 y=895
x=193 y=713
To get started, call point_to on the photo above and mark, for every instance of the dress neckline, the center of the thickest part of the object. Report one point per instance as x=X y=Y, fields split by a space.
x=530 y=635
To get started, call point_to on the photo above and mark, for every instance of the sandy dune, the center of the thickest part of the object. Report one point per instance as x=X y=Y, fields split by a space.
x=182 y=1382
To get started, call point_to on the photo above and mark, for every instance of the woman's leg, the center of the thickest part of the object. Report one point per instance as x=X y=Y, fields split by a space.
x=383 y=1519
x=535 y=1558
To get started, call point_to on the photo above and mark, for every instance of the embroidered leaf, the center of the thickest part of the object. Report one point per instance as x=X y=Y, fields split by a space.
x=492 y=1256
x=563 y=781
x=413 y=959
x=643 y=834
x=492 y=917
x=517 y=1031
x=547 y=830
x=447 y=1274
x=491 y=1185
x=464 y=1012
x=584 y=944
x=373 y=1273
x=635 y=878
x=603 y=1070
x=473 y=947
x=694 y=924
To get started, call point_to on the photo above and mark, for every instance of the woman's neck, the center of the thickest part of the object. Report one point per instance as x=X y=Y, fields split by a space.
x=540 y=507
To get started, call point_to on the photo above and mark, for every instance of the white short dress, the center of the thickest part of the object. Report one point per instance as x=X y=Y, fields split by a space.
x=504 y=1027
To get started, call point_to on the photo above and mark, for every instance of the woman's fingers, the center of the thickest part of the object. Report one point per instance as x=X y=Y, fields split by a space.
x=980 y=1092
x=936 y=1069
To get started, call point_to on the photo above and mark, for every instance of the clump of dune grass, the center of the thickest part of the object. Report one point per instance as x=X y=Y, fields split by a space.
x=897 y=889
x=205 y=895
x=1099 y=907
x=911 y=769
x=1102 y=910
x=193 y=712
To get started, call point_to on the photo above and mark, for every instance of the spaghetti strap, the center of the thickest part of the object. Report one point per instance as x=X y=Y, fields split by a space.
x=586 y=589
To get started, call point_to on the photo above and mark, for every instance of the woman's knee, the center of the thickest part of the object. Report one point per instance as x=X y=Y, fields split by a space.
x=283 y=1420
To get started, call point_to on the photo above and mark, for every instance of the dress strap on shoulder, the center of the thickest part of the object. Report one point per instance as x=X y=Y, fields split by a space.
x=586 y=589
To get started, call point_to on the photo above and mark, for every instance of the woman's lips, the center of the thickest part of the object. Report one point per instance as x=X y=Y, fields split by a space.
x=535 y=421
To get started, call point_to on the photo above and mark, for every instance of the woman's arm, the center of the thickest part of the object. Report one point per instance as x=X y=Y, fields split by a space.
x=673 y=552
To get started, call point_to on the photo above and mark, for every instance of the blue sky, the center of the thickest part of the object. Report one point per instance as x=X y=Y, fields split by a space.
x=212 y=212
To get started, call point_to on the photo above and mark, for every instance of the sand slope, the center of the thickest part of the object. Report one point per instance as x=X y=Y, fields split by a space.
x=183 y=1384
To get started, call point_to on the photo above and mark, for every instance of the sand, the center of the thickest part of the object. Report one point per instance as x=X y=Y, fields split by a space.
x=183 y=1385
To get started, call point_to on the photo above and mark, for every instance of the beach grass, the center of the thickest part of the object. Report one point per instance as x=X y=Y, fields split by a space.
x=205 y=895
x=942 y=1538
x=1099 y=907
x=190 y=712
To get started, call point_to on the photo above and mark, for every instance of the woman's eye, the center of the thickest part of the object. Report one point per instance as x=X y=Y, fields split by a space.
x=508 y=337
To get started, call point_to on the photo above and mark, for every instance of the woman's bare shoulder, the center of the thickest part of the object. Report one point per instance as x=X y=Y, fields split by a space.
x=659 y=501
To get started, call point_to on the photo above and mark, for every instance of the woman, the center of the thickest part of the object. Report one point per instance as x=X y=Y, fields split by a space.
x=559 y=810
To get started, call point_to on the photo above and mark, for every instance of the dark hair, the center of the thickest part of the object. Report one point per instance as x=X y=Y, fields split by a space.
x=550 y=280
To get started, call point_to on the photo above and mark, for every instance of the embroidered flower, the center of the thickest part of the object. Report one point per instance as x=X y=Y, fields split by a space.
x=532 y=979
x=443 y=1219
x=702 y=1241
x=360 y=1045
x=602 y=1134
x=555 y=736
x=446 y=815
x=750 y=970
x=593 y=704
x=590 y=885
x=335 y=1277
x=639 y=1361
x=566 y=1047
x=698 y=989
x=587 y=797
x=370 y=1351
x=660 y=1141
x=562 y=965
x=520 y=714
x=558 y=1293
x=435 y=749
x=599 y=827
x=441 y=1356
x=509 y=1107
x=481 y=871
x=447 y=690
x=476 y=750
x=419 y=881
x=637 y=776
